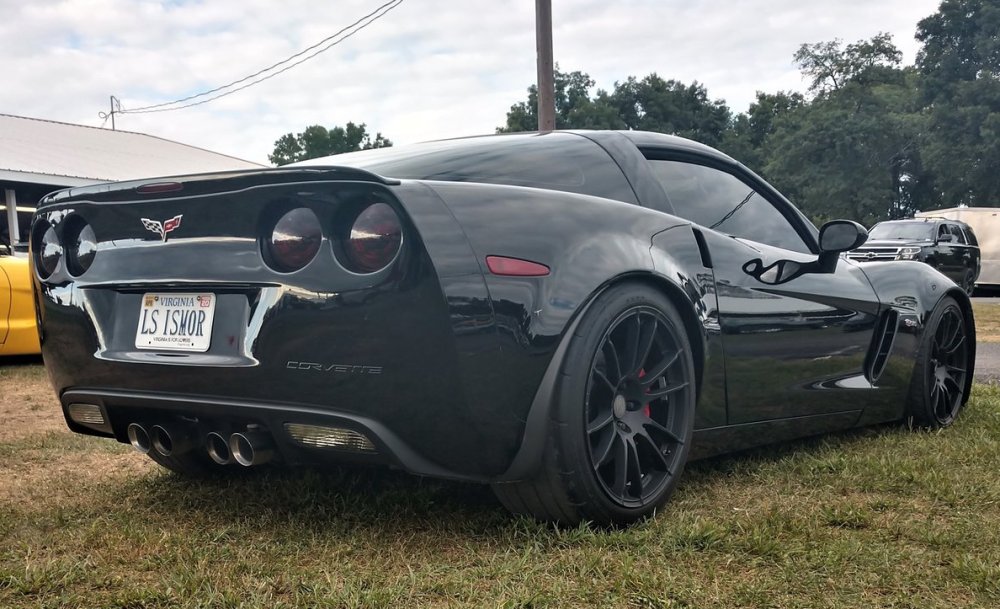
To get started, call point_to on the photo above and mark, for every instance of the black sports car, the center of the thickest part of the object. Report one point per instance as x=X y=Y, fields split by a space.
x=568 y=316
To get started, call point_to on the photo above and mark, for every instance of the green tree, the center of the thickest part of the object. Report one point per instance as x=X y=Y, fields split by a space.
x=747 y=135
x=852 y=151
x=960 y=68
x=651 y=104
x=318 y=141
x=832 y=67
x=575 y=109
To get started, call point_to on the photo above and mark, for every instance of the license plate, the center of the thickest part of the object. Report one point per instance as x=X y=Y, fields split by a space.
x=176 y=322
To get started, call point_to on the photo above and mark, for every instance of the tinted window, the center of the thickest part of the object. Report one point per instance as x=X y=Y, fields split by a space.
x=903 y=231
x=959 y=236
x=554 y=161
x=970 y=236
x=723 y=202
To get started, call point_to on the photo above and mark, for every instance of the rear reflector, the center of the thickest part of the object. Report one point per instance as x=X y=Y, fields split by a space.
x=318 y=436
x=515 y=267
x=86 y=414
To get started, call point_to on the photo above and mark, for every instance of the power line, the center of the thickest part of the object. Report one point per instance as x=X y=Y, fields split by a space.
x=351 y=30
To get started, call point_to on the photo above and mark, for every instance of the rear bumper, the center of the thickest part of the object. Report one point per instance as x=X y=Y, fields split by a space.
x=209 y=414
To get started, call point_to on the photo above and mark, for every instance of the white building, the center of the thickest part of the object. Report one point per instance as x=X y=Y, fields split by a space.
x=40 y=156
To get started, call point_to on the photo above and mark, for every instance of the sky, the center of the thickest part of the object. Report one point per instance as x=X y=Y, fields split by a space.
x=428 y=69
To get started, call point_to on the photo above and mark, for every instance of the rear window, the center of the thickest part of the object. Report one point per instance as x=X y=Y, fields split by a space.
x=554 y=161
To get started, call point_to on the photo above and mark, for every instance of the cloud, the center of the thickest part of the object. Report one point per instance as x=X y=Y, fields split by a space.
x=429 y=69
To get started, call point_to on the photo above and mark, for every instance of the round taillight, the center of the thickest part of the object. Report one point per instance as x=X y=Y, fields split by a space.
x=374 y=239
x=81 y=247
x=295 y=240
x=47 y=250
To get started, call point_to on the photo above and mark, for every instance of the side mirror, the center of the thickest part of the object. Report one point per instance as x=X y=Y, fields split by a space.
x=835 y=237
x=946 y=238
x=839 y=236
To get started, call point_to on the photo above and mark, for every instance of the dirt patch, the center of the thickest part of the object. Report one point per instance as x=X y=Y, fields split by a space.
x=44 y=476
x=28 y=406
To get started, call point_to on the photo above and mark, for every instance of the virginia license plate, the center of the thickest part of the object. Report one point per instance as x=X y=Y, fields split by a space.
x=176 y=322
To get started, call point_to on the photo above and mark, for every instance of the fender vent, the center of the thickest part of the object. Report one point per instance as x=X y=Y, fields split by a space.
x=878 y=353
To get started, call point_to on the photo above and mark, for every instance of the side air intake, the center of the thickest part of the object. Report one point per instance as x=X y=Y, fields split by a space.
x=881 y=347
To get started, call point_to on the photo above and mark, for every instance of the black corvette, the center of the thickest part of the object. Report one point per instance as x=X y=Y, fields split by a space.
x=569 y=317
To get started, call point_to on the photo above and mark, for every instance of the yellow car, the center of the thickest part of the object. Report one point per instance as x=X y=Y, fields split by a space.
x=18 y=335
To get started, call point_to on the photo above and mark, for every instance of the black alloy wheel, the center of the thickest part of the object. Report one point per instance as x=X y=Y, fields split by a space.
x=620 y=424
x=633 y=427
x=937 y=391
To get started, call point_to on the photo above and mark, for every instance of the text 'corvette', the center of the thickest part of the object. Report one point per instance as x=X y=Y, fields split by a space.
x=569 y=317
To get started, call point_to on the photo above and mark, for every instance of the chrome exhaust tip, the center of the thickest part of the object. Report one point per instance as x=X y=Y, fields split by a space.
x=251 y=448
x=218 y=448
x=169 y=440
x=138 y=437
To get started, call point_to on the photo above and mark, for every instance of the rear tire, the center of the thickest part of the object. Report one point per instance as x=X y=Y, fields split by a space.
x=937 y=389
x=619 y=430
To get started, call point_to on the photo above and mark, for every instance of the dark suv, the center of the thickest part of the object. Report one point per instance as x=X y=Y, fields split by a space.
x=948 y=245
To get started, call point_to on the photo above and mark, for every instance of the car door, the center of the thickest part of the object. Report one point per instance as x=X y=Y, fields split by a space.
x=963 y=253
x=946 y=253
x=793 y=346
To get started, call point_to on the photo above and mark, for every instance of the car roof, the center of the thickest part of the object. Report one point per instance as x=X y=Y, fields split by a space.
x=649 y=139
x=641 y=139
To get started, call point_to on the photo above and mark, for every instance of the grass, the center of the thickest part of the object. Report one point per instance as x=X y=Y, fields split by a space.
x=883 y=517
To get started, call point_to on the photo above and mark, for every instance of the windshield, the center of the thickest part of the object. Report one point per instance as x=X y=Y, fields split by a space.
x=908 y=231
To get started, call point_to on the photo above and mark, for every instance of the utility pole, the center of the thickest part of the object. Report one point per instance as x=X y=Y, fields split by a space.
x=116 y=106
x=546 y=84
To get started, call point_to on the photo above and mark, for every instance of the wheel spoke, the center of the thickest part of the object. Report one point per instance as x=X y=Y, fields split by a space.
x=635 y=469
x=952 y=350
x=603 y=377
x=632 y=331
x=609 y=348
x=665 y=391
x=953 y=381
x=647 y=334
x=942 y=408
x=603 y=451
x=654 y=449
x=952 y=370
x=603 y=419
x=621 y=468
x=659 y=369
x=657 y=427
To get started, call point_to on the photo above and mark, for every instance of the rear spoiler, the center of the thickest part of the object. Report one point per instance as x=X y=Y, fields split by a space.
x=210 y=183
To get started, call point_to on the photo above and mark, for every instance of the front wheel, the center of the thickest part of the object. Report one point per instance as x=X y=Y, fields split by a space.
x=937 y=389
x=620 y=428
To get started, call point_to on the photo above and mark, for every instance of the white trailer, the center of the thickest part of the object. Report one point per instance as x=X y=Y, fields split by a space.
x=985 y=222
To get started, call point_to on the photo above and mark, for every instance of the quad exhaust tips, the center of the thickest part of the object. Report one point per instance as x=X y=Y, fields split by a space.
x=166 y=440
x=218 y=448
x=246 y=448
x=251 y=448
x=138 y=437
x=171 y=440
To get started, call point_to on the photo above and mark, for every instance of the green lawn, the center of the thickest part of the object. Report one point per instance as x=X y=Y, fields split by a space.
x=884 y=517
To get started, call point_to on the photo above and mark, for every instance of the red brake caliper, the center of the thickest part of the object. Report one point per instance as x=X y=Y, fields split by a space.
x=645 y=409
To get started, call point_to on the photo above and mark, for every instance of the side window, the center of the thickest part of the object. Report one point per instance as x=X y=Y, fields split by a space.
x=959 y=236
x=721 y=201
x=943 y=230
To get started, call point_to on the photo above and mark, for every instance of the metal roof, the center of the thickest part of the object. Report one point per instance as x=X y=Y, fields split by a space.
x=50 y=152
